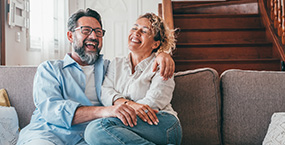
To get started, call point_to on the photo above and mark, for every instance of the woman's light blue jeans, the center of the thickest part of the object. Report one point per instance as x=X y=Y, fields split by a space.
x=113 y=131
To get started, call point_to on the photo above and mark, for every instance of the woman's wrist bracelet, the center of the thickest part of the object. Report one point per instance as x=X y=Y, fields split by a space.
x=126 y=101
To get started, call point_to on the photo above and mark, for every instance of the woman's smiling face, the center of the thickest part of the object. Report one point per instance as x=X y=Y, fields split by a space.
x=141 y=37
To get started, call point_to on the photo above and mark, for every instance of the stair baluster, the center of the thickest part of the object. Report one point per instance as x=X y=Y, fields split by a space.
x=167 y=13
x=272 y=10
x=283 y=22
x=275 y=14
x=279 y=25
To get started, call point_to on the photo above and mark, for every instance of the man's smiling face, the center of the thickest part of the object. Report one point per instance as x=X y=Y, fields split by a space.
x=89 y=46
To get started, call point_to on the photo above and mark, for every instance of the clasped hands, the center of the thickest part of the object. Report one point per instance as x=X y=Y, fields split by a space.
x=127 y=111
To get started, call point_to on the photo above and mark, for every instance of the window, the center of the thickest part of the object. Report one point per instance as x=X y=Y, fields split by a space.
x=48 y=26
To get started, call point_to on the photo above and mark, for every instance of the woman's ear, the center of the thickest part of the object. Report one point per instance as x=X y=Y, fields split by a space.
x=70 y=36
x=155 y=44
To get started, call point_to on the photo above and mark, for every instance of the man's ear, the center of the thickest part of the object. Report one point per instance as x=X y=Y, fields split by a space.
x=155 y=44
x=70 y=36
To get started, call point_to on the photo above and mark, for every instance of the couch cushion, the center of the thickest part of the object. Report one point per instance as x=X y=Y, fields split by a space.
x=18 y=82
x=197 y=101
x=249 y=100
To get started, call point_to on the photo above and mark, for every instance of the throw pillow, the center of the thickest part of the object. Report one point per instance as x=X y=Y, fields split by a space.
x=4 y=100
x=9 y=124
x=276 y=130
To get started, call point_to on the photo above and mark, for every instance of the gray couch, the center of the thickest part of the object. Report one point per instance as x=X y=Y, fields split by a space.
x=234 y=109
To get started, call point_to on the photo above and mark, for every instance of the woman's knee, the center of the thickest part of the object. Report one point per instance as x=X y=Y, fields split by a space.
x=174 y=134
x=172 y=126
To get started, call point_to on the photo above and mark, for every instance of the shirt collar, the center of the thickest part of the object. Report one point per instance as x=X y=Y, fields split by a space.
x=67 y=61
x=142 y=65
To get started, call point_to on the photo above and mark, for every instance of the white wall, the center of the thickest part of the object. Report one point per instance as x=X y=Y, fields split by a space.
x=115 y=41
x=16 y=52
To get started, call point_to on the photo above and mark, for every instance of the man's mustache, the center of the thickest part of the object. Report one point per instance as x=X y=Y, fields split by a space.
x=92 y=40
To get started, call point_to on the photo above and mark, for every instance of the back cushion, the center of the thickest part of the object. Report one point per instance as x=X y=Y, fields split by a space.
x=18 y=82
x=197 y=101
x=249 y=100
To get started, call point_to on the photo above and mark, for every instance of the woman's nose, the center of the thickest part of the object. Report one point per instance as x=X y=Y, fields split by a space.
x=137 y=32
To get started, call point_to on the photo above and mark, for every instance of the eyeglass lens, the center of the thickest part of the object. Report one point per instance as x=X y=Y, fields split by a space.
x=87 y=31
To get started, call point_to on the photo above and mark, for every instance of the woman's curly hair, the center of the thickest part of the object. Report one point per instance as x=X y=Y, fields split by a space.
x=161 y=33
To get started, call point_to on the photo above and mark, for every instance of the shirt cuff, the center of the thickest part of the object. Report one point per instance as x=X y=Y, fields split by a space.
x=116 y=97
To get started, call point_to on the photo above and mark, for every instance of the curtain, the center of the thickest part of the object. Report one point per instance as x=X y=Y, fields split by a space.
x=48 y=28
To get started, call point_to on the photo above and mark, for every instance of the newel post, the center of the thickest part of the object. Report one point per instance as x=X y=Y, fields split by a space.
x=167 y=13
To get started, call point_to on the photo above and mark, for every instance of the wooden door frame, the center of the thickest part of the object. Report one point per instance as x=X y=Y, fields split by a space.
x=2 y=32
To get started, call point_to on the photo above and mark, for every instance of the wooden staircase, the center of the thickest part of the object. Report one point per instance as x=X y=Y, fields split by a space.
x=222 y=35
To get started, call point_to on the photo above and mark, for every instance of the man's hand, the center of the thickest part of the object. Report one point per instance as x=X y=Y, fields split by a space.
x=166 y=63
x=122 y=111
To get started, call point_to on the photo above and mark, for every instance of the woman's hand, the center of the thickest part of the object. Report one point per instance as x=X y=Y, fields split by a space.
x=146 y=113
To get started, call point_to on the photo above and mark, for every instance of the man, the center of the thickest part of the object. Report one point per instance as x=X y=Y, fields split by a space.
x=66 y=91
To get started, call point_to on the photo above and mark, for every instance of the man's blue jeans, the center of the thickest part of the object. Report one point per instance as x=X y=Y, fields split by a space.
x=113 y=131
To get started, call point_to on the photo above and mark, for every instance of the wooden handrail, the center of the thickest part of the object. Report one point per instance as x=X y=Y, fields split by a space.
x=167 y=13
x=273 y=16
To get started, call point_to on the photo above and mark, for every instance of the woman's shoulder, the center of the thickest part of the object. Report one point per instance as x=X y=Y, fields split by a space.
x=119 y=59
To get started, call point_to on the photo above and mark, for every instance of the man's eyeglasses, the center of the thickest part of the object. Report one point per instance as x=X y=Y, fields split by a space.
x=86 y=30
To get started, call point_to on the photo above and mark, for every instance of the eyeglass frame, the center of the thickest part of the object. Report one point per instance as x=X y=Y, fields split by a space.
x=80 y=28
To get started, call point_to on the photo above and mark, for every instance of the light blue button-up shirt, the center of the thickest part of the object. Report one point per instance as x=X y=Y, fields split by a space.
x=59 y=88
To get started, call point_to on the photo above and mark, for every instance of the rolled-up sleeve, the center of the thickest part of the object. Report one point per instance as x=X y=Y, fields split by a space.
x=160 y=92
x=49 y=100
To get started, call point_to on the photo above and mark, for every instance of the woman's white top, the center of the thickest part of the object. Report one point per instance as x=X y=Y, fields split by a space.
x=143 y=86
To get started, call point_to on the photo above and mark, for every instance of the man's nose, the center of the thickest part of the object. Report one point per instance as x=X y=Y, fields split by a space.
x=93 y=34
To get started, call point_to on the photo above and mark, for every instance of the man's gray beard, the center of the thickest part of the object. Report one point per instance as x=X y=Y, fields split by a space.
x=87 y=57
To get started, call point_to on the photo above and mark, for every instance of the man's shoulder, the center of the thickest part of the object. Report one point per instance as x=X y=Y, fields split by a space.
x=51 y=65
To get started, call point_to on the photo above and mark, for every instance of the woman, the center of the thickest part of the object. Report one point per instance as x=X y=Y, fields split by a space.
x=130 y=81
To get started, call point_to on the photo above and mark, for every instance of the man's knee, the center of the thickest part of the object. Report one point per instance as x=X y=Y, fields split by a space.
x=39 y=142
x=97 y=130
x=92 y=131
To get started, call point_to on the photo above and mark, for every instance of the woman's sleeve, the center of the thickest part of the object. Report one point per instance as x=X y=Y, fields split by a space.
x=109 y=94
x=160 y=92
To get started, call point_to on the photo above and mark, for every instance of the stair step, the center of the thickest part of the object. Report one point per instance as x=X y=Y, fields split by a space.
x=208 y=21
x=221 y=35
x=250 y=43
x=223 y=51
x=229 y=7
x=222 y=65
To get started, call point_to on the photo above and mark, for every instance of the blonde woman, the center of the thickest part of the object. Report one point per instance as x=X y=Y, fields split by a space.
x=130 y=81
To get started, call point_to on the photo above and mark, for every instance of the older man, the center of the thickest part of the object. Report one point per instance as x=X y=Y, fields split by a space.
x=66 y=91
